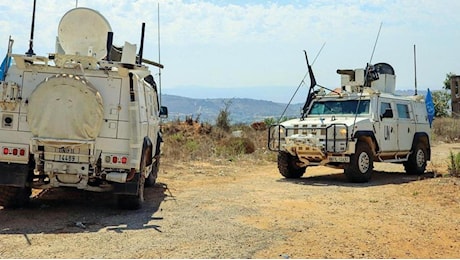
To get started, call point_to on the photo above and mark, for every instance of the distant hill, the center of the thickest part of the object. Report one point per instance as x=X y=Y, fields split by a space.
x=411 y=92
x=242 y=110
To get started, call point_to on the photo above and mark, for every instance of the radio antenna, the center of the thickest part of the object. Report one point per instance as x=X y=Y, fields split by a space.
x=415 y=71
x=366 y=80
x=30 y=52
x=375 y=44
x=159 y=52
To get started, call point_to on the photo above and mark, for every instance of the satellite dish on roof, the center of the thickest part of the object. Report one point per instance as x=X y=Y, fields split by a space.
x=83 y=31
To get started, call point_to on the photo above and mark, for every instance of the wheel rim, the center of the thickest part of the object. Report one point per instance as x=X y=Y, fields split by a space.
x=420 y=158
x=363 y=162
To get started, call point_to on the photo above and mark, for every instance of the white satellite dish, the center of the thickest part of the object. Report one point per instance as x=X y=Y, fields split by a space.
x=83 y=31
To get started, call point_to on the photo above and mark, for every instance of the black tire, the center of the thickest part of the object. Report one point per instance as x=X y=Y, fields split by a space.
x=151 y=180
x=417 y=160
x=287 y=165
x=133 y=202
x=361 y=164
x=14 y=197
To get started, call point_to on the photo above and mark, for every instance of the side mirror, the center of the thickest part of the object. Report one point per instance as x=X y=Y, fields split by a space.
x=163 y=112
x=388 y=113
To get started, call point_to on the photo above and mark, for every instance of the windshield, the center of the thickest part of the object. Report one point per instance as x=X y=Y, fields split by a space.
x=334 y=107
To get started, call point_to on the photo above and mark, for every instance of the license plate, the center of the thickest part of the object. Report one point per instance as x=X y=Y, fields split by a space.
x=342 y=159
x=67 y=155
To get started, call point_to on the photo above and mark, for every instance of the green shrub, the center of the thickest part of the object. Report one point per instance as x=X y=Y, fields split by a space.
x=177 y=137
x=192 y=145
x=234 y=146
x=269 y=121
x=454 y=164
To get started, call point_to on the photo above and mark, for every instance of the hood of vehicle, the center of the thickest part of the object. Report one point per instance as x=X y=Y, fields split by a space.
x=324 y=121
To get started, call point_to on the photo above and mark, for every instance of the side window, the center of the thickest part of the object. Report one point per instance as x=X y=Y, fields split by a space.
x=403 y=111
x=385 y=110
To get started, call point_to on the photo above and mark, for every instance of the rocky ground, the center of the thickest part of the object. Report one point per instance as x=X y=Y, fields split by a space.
x=245 y=209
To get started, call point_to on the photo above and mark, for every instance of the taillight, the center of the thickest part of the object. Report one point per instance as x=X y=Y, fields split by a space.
x=116 y=159
x=14 y=151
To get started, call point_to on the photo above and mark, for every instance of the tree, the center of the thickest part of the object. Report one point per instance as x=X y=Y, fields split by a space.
x=223 y=118
x=447 y=80
x=441 y=103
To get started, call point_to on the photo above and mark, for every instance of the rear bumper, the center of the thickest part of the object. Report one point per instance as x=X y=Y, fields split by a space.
x=13 y=174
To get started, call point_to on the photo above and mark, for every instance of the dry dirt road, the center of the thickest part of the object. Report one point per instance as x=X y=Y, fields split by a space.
x=244 y=209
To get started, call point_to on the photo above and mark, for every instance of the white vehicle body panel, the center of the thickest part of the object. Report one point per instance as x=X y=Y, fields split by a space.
x=78 y=121
x=332 y=124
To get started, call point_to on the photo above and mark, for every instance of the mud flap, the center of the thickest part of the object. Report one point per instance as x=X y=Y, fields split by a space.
x=13 y=174
x=128 y=188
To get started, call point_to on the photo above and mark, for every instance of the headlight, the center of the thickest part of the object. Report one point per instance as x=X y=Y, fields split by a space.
x=277 y=136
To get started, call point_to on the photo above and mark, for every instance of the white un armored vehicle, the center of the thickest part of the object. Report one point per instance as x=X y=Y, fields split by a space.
x=352 y=127
x=85 y=117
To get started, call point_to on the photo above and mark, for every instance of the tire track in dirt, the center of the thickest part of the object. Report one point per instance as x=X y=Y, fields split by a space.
x=245 y=209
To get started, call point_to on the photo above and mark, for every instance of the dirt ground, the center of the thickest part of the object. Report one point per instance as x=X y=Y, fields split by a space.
x=245 y=209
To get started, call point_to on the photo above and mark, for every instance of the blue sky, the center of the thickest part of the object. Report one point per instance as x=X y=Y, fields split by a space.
x=230 y=46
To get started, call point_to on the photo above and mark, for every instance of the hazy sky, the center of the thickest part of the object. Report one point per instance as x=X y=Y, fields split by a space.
x=237 y=44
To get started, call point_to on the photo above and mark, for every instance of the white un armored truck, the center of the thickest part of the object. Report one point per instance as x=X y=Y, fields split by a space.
x=86 y=117
x=353 y=126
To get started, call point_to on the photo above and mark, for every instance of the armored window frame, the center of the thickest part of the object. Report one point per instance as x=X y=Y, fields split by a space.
x=403 y=111
x=384 y=106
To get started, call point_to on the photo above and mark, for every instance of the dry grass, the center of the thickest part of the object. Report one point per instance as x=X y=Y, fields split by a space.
x=190 y=140
x=446 y=129
x=193 y=141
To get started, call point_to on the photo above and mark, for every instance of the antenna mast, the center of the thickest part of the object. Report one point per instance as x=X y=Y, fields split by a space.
x=415 y=71
x=366 y=80
x=30 y=52
x=159 y=51
x=375 y=44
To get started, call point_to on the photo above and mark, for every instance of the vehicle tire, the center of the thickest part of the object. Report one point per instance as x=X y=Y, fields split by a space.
x=151 y=180
x=287 y=165
x=14 y=197
x=417 y=160
x=361 y=164
x=133 y=202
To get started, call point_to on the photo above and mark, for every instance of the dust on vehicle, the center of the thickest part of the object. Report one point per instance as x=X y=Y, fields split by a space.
x=351 y=127
x=85 y=117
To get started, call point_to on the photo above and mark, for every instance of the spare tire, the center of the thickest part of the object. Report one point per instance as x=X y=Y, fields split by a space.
x=65 y=107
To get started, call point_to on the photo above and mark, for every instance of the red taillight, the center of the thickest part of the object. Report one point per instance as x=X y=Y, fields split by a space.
x=114 y=159
x=22 y=152
x=15 y=151
x=124 y=160
x=6 y=150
